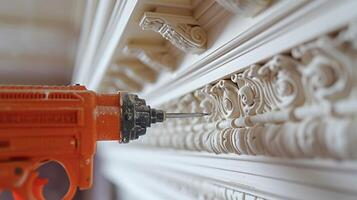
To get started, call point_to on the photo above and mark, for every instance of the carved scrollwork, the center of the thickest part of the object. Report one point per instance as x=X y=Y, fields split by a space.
x=348 y=36
x=250 y=91
x=282 y=82
x=183 y=32
x=208 y=103
x=275 y=85
x=327 y=73
x=312 y=137
x=225 y=94
x=326 y=79
x=297 y=105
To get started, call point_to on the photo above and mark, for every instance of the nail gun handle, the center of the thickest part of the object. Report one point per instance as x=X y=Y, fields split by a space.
x=31 y=189
x=23 y=179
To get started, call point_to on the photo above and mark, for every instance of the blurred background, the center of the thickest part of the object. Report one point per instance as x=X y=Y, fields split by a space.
x=39 y=40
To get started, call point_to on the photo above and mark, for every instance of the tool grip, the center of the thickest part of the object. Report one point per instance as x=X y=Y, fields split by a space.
x=31 y=189
x=22 y=178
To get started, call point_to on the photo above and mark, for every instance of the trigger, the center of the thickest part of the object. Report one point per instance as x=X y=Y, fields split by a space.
x=34 y=185
x=37 y=187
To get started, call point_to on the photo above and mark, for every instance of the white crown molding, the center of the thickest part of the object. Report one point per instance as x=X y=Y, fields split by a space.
x=115 y=36
x=227 y=174
x=89 y=13
x=122 y=81
x=295 y=106
x=135 y=70
x=157 y=57
x=178 y=185
x=244 y=7
x=114 y=32
x=93 y=39
x=184 y=32
x=298 y=27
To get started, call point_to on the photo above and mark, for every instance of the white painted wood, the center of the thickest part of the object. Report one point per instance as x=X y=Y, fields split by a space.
x=156 y=57
x=184 y=32
x=89 y=13
x=243 y=7
x=280 y=86
x=99 y=24
x=298 y=105
x=230 y=40
x=266 y=178
x=130 y=29
x=254 y=50
x=120 y=21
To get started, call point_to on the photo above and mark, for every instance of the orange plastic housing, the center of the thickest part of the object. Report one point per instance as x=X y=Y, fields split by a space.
x=39 y=124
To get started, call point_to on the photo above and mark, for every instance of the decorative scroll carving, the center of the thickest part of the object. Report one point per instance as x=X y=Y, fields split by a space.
x=312 y=137
x=281 y=83
x=184 y=32
x=208 y=103
x=328 y=72
x=250 y=91
x=244 y=7
x=156 y=57
x=225 y=95
x=298 y=105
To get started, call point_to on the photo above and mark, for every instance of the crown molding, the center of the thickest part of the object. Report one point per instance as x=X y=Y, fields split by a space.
x=251 y=47
x=244 y=7
x=295 y=106
x=157 y=57
x=260 y=177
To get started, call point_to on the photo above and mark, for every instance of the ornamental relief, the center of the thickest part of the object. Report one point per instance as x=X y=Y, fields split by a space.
x=302 y=104
x=184 y=32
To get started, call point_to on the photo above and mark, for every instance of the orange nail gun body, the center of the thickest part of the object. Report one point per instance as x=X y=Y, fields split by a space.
x=42 y=123
x=39 y=124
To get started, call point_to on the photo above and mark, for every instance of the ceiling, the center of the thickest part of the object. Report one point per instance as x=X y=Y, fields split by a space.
x=38 y=40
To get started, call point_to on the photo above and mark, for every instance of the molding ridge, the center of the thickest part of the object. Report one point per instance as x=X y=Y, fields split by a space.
x=157 y=57
x=246 y=8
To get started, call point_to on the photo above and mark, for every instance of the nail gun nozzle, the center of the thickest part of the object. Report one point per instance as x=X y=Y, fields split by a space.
x=184 y=115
